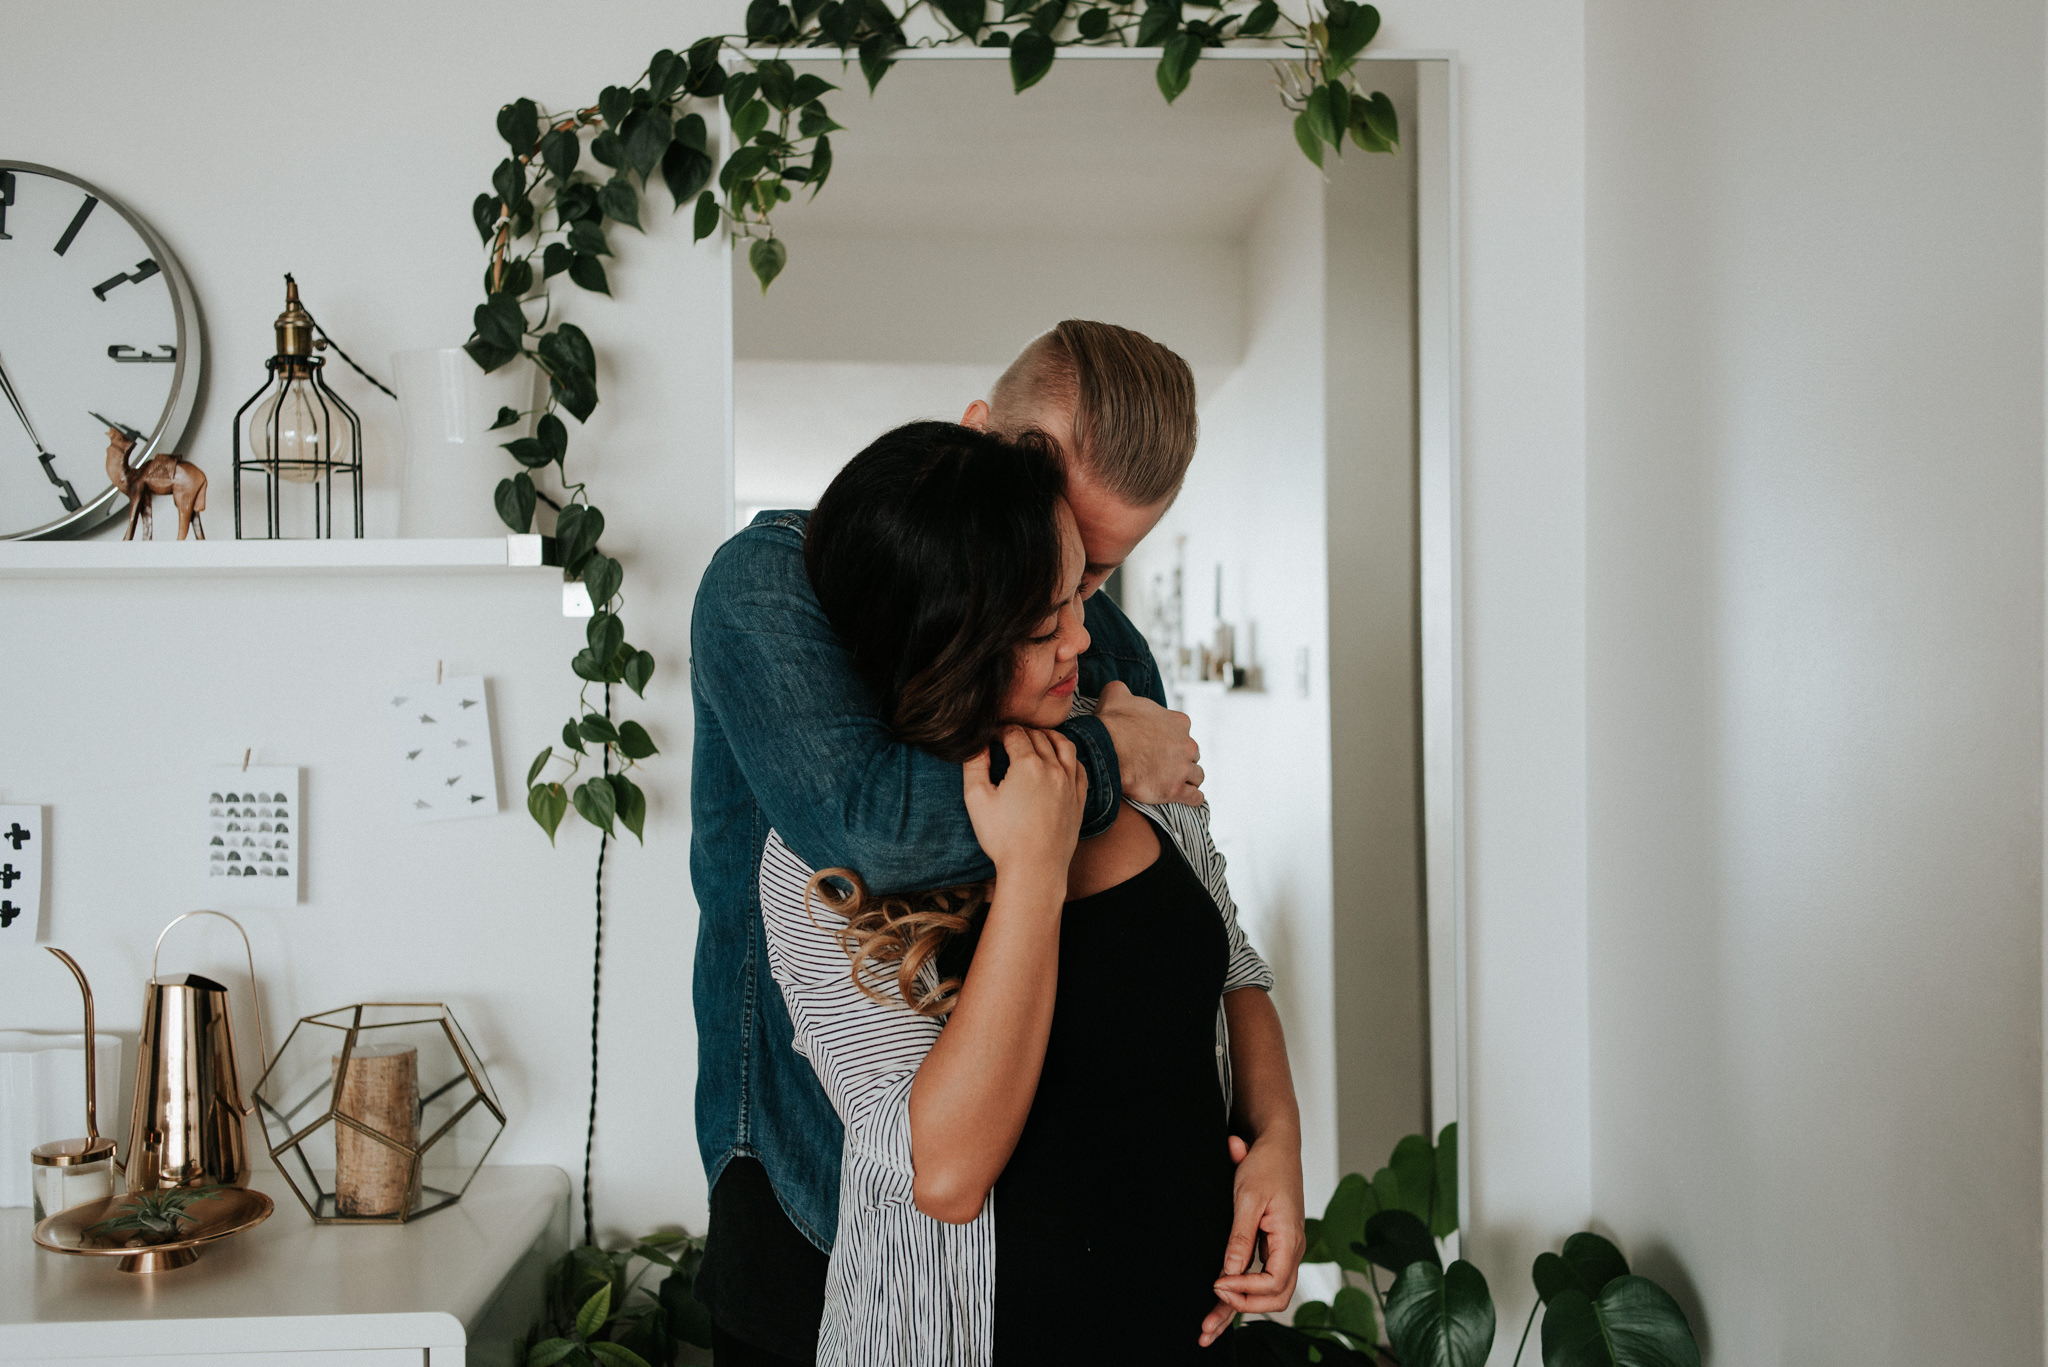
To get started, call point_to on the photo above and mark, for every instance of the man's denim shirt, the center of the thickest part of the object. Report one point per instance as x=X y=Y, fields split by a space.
x=788 y=738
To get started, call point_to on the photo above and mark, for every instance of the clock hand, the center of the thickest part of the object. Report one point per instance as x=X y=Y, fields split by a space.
x=66 y=495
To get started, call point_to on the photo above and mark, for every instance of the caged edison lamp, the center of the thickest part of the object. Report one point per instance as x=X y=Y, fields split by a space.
x=378 y=1113
x=296 y=435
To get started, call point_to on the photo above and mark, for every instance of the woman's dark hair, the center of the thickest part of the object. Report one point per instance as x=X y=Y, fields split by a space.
x=935 y=554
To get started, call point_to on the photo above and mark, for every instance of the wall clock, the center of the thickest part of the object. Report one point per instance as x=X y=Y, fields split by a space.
x=96 y=317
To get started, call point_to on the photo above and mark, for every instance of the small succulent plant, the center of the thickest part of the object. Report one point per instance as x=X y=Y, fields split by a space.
x=154 y=1216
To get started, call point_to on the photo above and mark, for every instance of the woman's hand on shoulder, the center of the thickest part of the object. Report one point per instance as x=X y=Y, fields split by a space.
x=1030 y=822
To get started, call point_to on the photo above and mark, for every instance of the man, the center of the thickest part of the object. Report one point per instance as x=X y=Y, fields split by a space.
x=787 y=738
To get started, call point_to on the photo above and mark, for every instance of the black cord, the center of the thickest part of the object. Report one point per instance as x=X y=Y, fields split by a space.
x=596 y=970
x=321 y=333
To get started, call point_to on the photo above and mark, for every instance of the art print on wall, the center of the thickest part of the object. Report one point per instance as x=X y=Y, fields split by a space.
x=255 y=841
x=21 y=876
x=441 y=746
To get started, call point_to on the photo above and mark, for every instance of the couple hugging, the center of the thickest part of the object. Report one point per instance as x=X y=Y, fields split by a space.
x=987 y=1072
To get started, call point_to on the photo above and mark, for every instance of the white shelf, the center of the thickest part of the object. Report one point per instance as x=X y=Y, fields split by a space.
x=47 y=559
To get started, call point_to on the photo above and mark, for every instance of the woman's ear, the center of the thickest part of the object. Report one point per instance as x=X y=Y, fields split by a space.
x=976 y=416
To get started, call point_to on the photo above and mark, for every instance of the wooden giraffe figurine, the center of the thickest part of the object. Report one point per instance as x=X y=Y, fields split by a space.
x=163 y=473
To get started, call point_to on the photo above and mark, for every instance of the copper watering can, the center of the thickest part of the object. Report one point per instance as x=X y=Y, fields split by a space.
x=187 y=1126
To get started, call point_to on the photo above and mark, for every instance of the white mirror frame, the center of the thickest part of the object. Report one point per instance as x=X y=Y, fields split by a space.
x=1433 y=142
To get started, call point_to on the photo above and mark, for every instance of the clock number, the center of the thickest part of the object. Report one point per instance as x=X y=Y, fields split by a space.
x=143 y=270
x=77 y=222
x=128 y=355
x=6 y=202
x=66 y=495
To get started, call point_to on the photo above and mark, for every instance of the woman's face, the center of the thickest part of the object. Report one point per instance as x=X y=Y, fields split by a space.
x=1049 y=664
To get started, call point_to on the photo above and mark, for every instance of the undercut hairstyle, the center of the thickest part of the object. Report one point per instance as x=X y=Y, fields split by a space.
x=935 y=553
x=1133 y=402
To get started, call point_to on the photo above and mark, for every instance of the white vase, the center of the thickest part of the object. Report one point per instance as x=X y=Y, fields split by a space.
x=453 y=460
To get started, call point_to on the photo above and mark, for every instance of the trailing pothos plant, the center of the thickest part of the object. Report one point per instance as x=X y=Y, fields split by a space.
x=1597 y=1313
x=571 y=176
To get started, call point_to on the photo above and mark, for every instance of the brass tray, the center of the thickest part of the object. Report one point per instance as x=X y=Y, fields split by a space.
x=226 y=1213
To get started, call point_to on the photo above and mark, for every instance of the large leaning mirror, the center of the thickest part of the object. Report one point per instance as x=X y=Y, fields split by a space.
x=1300 y=593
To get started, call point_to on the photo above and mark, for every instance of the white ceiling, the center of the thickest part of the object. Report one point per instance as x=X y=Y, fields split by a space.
x=945 y=147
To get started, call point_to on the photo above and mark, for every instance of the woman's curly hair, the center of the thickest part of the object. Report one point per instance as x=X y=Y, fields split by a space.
x=935 y=553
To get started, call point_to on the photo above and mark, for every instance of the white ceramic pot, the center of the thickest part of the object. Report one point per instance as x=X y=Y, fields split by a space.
x=453 y=460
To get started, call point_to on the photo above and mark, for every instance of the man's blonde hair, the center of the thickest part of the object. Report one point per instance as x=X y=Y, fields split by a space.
x=1133 y=401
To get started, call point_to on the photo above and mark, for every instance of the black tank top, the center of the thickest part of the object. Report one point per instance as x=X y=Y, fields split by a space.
x=1113 y=1212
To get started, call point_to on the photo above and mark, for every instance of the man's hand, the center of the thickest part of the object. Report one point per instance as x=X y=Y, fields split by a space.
x=1269 y=1208
x=1154 y=752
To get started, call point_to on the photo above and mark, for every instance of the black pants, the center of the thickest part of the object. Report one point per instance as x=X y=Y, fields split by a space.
x=762 y=1280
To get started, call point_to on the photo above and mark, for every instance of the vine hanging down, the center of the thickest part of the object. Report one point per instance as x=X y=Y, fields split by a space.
x=548 y=213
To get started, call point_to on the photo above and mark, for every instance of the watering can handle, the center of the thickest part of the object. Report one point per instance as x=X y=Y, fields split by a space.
x=256 y=999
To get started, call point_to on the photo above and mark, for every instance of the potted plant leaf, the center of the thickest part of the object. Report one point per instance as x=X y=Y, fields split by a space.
x=1597 y=1313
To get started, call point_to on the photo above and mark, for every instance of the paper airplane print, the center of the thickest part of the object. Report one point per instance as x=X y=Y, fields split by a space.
x=441 y=745
x=255 y=840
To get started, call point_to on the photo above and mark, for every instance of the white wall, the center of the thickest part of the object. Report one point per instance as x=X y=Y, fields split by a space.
x=116 y=691
x=1815 y=540
x=372 y=203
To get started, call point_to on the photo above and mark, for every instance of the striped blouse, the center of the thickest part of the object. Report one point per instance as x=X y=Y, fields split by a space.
x=903 y=1289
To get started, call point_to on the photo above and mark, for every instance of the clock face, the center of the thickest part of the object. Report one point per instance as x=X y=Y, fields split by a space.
x=95 y=318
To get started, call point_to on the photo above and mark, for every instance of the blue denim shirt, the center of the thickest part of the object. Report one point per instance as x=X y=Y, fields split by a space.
x=788 y=738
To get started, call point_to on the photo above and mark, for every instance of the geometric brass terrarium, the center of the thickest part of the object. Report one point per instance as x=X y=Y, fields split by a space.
x=379 y=1113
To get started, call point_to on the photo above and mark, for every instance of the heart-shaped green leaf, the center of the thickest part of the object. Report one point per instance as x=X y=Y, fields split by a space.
x=514 y=499
x=685 y=169
x=874 y=59
x=601 y=576
x=519 y=125
x=1260 y=21
x=540 y=762
x=596 y=802
x=596 y=729
x=614 y=103
x=1031 y=56
x=1632 y=1323
x=706 y=222
x=751 y=119
x=620 y=201
x=1587 y=1265
x=548 y=804
x=1347 y=27
x=588 y=272
x=1177 y=65
x=767 y=256
x=1161 y=17
x=638 y=671
x=605 y=634
x=1441 y=1317
x=571 y=736
x=1306 y=139
x=646 y=134
x=634 y=741
x=559 y=150
x=485 y=209
x=632 y=805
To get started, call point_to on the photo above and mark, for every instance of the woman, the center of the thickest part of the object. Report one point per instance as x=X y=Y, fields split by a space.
x=1032 y=1073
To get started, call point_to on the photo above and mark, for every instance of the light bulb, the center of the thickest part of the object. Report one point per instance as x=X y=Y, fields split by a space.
x=294 y=434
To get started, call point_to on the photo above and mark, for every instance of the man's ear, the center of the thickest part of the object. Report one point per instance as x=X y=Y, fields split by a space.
x=976 y=416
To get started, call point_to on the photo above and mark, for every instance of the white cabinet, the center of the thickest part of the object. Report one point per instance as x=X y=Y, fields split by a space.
x=457 y=1289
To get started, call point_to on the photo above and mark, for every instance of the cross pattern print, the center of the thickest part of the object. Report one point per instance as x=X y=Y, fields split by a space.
x=441 y=748
x=21 y=876
x=255 y=839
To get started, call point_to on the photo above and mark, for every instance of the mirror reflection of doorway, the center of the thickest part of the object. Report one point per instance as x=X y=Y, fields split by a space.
x=1280 y=593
